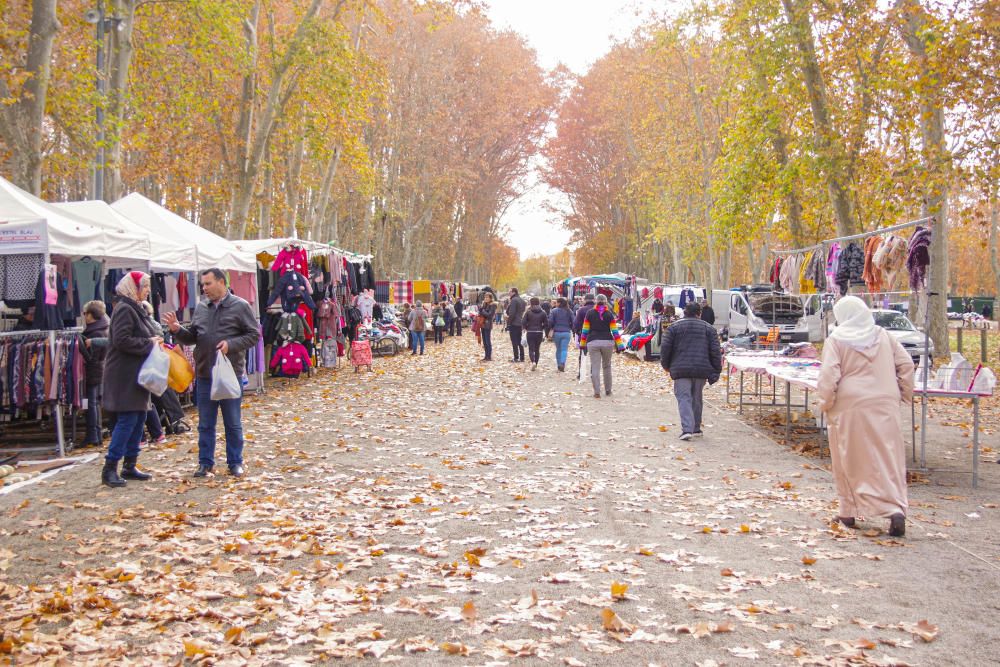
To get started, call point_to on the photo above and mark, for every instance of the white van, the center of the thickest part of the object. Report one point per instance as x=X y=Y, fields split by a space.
x=755 y=312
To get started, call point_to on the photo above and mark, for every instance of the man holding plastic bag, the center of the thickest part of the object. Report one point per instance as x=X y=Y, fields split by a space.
x=222 y=329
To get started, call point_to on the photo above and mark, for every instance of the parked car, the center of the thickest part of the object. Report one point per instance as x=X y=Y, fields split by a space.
x=901 y=328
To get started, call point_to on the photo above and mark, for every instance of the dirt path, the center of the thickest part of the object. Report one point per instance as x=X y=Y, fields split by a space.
x=439 y=508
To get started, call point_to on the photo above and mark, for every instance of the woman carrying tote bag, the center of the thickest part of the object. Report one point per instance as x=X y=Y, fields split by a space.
x=132 y=337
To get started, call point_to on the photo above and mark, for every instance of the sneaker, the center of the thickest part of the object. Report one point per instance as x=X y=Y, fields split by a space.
x=686 y=436
x=698 y=434
x=162 y=439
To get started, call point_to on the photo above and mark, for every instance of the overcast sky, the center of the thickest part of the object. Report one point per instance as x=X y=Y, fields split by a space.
x=575 y=33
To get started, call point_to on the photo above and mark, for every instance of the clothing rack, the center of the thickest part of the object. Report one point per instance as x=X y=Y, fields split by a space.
x=857 y=237
x=52 y=337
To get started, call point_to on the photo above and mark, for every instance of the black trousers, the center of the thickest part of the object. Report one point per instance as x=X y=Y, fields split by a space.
x=534 y=345
x=515 y=341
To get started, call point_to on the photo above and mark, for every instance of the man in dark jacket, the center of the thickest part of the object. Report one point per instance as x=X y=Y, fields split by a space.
x=223 y=322
x=459 y=309
x=707 y=313
x=515 y=322
x=691 y=354
x=581 y=314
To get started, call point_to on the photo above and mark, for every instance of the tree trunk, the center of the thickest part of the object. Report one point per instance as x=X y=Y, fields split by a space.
x=837 y=172
x=120 y=64
x=995 y=236
x=21 y=122
x=912 y=23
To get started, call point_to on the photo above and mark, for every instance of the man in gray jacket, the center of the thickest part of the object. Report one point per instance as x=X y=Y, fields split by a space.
x=224 y=322
x=515 y=323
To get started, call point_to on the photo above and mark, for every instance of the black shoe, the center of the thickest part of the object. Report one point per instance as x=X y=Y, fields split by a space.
x=236 y=470
x=109 y=475
x=180 y=426
x=131 y=471
x=607 y=393
x=847 y=521
x=203 y=471
x=897 y=525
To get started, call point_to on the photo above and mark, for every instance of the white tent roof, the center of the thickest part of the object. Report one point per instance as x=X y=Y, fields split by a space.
x=212 y=249
x=273 y=246
x=30 y=225
x=168 y=254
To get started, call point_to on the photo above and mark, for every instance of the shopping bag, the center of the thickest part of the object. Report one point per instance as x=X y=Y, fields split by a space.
x=181 y=374
x=225 y=384
x=154 y=371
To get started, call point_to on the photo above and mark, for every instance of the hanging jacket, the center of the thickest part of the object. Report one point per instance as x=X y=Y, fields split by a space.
x=872 y=274
x=918 y=256
x=291 y=259
x=291 y=327
x=851 y=268
x=327 y=318
x=806 y=283
x=290 y=360
x=291 y=288
x=889 y=258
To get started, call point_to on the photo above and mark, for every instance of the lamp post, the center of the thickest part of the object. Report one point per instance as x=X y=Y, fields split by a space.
x=102 y=24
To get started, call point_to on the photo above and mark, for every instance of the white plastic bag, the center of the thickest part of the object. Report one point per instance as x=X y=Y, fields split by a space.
x=154 y=371
x=225 y=384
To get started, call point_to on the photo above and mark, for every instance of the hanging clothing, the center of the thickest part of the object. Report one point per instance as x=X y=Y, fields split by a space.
x=328 y=318
x=291 y=288
x=290 y=360
x=687 y=296
x=291 y=328
x=775 y=276
x=890 y=258
x=806 y=283
x=242 y=284
x=918 y=257
x=832 y=263
x=291 y=258
x=872 y=274
x=851 y=268
x=365 y=304
x=789 y=278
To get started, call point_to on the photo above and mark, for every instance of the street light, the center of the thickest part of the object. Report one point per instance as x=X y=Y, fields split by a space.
x=103 y=24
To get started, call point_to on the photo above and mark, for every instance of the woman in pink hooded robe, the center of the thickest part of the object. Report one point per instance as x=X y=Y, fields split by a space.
x=865 y=377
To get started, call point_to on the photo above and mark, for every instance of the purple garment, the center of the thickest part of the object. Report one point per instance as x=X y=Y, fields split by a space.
x=918 y=257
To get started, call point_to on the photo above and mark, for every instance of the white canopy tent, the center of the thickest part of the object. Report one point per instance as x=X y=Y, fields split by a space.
x=211 y=249
x=29 y=225
x=273 y=246
x=168 y=254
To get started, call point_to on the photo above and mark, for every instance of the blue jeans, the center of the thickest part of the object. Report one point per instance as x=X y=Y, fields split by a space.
x=208 y=415
x=561 y=339
x=487 y=333
x=126 y=435
x=417 y=338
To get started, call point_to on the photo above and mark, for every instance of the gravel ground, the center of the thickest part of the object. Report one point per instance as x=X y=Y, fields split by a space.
x=444 y=511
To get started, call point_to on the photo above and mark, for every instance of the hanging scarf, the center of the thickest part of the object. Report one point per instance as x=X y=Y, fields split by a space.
x=855 y=323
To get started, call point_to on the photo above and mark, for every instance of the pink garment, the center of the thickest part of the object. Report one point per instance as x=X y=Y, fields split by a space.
x=244 y=285
x=861 y=391
x=290 y=360
x=328 y=319
x=293 y=259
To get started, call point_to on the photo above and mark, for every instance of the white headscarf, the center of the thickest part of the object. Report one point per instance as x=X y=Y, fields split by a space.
x=855 y=323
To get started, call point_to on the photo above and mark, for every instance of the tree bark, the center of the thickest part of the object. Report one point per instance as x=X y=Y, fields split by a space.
x=120 y=64
x=837 y=171
x=21 y=122
x=912 y=20
x=994 y=238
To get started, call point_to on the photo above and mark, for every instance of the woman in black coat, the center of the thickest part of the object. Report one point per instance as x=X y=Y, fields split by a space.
x=131 y=339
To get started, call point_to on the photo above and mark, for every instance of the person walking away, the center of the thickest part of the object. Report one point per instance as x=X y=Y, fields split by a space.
x=449 y=317
x=223 y=322
x=515 y=323
x=601 y=337
x=561 y=324
x=487 y=313
x=418 y=328
x=95 y=344
x=547 y=307
x=437 y=319
x=581 y=313
x=690 y=353
x=459 y=309
x=707 y=313
x=866 y=375
x=535 y=321
x=130 y=340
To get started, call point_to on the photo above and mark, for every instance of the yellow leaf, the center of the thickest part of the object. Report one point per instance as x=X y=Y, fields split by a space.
x=469 y=611
x=618 y=590
x=233 y=635
x=416 y=500
x=808 y=560
x=726 y=572
x=611 y=622
x=663 y=429
x=454 y=649
x=706 y=529
x=744 y=528
x=472 y=559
